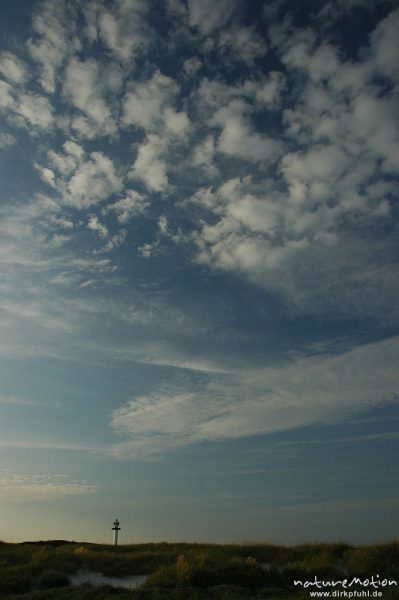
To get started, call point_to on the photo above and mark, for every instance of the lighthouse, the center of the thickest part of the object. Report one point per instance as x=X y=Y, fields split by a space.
x=115 y=529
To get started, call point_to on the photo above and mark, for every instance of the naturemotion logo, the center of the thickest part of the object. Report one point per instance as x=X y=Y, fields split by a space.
x=375 y=584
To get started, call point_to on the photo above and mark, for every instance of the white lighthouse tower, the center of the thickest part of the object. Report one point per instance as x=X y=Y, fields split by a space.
x=116 y=529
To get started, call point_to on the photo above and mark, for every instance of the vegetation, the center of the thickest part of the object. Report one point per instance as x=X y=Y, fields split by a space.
x=42 y=570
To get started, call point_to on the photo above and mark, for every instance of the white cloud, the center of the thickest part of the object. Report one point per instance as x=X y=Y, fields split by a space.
x=93 y=181
x=297 y=229
x=337 y=9
x=321 y=63
x=149 y=249
x=204 y=155
x=192 y=65
x=212 y=94
x=6 y=97
x=12 y=68
x=165 y=414
x=65 y=163
x=73 y=149
x=207 y=16
x=60 y=222
x=58 y=240
x=298 y=241
x=177 y=7
x=372 y=122
x=30 y=110
x=385 y=46
x=47 y=175
x=54 y=39
x=163 y=225
x=21 y=487
x=83 y=88
x=143 y=103
x=39 y=444
x=310 y=175
x=83 y=127
x=123 y=28
x=7 y=140
x=242 y=44
x=150 y=105
x=269 y=91
x=257 y=401
x=27 y=312
x=80 y=180
x=17 y=400
x=97 y=227
x=26 y=109
x=304 y=226
x=177 y=123
x=239 y=139
x=341 y=101
x=37 y=256
x=131 y=205
x=102 y=265
x=250 y=97
x=115 y=240
x=149 y=166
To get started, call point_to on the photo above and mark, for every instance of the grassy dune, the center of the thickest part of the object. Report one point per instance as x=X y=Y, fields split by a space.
x=41 y=570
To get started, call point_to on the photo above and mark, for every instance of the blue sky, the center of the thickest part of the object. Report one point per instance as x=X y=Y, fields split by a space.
x=198 y=298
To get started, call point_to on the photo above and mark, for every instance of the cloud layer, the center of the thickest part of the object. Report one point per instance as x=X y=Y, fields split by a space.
x=35 y=488
x=258 y=401
x=159 y=155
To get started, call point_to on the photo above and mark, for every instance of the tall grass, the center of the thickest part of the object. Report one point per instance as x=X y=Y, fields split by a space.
x=382 y=559
x=40 y=571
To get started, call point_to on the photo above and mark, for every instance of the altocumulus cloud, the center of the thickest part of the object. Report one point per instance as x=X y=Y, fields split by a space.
x=224 y=145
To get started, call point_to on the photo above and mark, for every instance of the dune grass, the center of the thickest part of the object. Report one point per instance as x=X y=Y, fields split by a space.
x=179 y=571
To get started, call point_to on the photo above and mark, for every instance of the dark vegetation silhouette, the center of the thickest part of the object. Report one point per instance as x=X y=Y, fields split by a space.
x=182 y=571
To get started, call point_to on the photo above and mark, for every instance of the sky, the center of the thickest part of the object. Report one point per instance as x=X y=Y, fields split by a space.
x=199 y=270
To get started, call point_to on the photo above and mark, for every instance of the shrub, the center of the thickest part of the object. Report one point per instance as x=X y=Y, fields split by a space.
x=322 y=563
x=284 y=577
x=204 y=570
x=12 y=582
x=52 y=579
x=50 y=559
x=380 y=560
x=164 y=577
